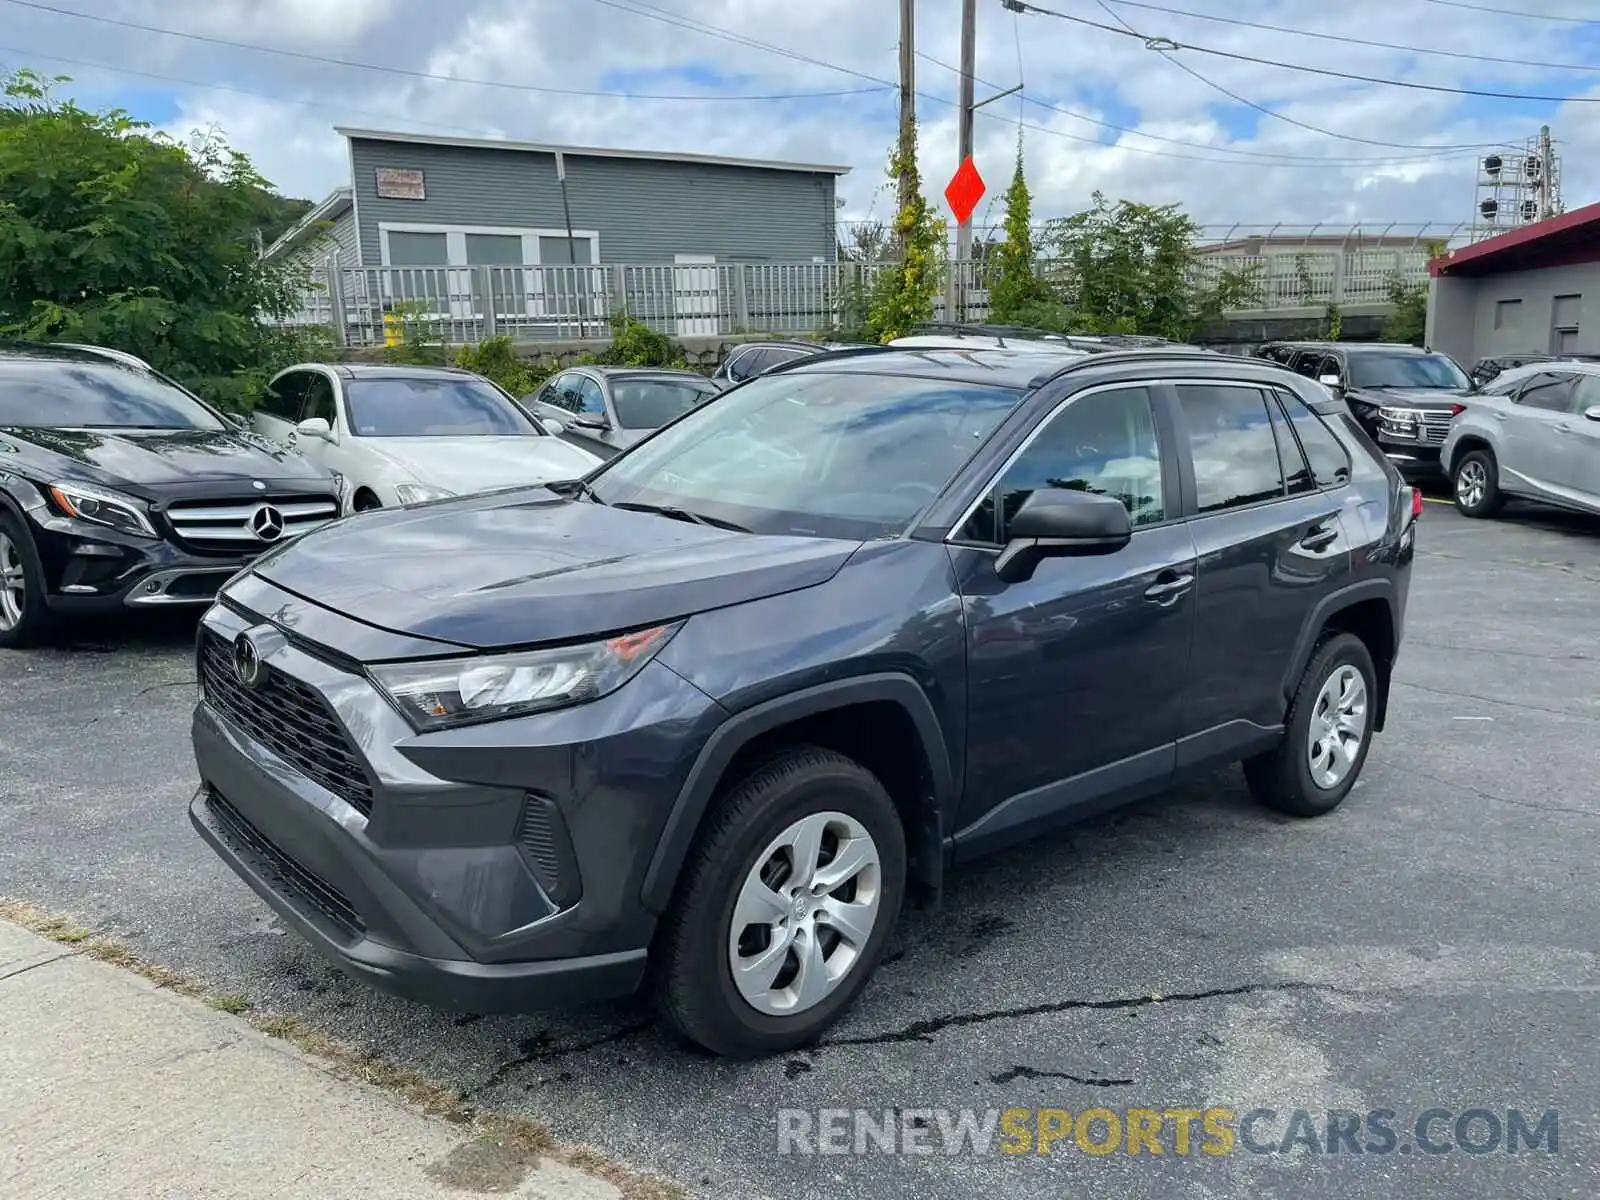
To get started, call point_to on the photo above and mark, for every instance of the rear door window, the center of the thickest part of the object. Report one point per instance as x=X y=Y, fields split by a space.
x=1231 y=441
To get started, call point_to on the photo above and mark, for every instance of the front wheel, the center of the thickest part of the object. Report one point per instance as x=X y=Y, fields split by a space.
x=1476 y=484
x=25 y=619
x=785 y=906
x=1326 y=736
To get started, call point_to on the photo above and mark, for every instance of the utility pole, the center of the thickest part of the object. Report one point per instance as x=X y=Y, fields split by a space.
x=908 y=104
x=1547 y=182
x=961 y=277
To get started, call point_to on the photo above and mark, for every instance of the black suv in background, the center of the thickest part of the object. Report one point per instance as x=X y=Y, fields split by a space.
x=1404 y=397
x=120 y=489
x=716 y=709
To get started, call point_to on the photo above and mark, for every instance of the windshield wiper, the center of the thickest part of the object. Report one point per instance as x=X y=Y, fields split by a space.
x=681 y=514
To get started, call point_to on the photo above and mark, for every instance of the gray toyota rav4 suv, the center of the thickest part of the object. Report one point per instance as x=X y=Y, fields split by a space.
x=704 y=719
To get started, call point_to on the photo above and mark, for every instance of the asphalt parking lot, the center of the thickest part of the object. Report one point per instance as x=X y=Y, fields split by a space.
x=1434 y=943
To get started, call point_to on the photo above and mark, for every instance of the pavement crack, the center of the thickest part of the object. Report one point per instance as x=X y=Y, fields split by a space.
x=923 y=1031
x=540 y=1048
x=1479 y=792
x=1020 y=1072
x=1559 y=712
x=34 y=966
x=1459 y=648
x=1531 y=564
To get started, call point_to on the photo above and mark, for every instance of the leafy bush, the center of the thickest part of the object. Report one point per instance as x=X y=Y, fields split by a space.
x=498 y=360
x=635 y=344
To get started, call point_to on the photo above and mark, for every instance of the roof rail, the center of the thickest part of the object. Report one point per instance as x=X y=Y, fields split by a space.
x=830 y=356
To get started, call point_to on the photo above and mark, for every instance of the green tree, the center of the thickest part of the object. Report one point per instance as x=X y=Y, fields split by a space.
x=113 y=234
x=904 y=292
x=1135 y=268
x=1409 y=320
x=1016 y=293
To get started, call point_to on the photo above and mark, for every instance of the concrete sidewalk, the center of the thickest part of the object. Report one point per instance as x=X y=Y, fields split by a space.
x=112 y=1087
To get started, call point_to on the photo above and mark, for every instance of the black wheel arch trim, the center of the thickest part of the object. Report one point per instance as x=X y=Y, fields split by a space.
x=725 y=742
x=1346 y=597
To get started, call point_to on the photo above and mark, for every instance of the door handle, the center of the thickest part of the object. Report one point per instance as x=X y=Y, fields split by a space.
x=1563 y=428
x=1168 y=587
x=1320 y=537
x=1500 y=416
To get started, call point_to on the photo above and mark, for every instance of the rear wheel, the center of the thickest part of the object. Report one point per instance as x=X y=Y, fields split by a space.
x=785 y=906
x=1326 y=736
x=1476 y=483
x=25 y=620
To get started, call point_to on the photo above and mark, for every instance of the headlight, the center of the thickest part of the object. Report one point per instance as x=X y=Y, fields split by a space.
x=1400 y=416
x=101 y=507
x=461 y=691
x=420 y=493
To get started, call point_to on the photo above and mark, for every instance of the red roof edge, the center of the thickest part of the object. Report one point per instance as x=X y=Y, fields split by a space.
x=1515 y=239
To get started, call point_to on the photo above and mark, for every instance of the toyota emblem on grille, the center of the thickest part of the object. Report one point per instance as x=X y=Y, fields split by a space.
x=266 y=523
x=247 y=661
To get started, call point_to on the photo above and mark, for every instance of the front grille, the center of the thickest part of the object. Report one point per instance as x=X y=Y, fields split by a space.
x=288 y=718
x=287 y=875
x=1436 y=426
x=234 y=526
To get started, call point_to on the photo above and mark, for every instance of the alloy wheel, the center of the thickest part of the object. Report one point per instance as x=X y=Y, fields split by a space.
x=13 y=584
x=805 y=913
x=1338 y=727
x=1472 y=484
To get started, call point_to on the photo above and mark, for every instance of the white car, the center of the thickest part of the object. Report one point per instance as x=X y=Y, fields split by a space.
x=404 y=435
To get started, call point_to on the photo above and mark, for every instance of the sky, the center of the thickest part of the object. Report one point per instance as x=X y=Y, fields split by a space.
x=1098 y=111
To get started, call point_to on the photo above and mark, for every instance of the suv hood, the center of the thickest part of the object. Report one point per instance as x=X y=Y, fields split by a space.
x=157 y=457
x=466 y=465
x=1422 y=398
x=519 y=568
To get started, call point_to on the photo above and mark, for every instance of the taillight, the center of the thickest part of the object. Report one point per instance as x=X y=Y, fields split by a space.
x=1416 y=503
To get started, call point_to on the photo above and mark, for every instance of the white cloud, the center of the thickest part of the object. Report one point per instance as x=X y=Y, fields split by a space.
x=585 y=44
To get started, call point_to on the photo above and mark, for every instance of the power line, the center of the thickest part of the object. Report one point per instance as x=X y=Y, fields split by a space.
x=26 y=55
x=1251 y=104
x=412 y=74
x=1355 y=41
x=1322 y=160
x=1166 y=43
x=1512 y=12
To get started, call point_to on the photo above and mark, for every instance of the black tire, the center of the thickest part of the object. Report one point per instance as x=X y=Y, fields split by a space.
x=366 y=501
x=1282 y=778
x=694 y=985
x=37 y=623
x=1486 y=500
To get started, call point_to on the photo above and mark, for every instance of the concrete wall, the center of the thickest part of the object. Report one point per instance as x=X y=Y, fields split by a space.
x=645 y=211
x=1462 y=311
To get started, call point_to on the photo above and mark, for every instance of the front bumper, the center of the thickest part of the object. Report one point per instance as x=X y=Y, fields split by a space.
x=89 y=569
x=492 y=868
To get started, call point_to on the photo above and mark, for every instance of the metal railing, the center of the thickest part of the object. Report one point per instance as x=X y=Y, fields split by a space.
x=459 y=305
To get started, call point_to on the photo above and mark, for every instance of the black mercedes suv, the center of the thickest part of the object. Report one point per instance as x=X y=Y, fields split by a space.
x=706 y=717
x=120 y=489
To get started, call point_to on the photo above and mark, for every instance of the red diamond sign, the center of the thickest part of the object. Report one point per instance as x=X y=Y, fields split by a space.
x=964 y=191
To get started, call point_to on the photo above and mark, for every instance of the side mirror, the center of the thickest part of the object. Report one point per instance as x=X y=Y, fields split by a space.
x=590 y=421
x=238 y=420
x=1057 y=523
x=315 y=427
x=1592 y=412
x=1332 y=381
x=552 y=426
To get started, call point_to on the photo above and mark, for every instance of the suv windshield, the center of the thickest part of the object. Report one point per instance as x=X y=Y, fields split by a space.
x=652 y=403
x=847 y=456
x=99 y=395
x=399 y=406
x=1405 y=371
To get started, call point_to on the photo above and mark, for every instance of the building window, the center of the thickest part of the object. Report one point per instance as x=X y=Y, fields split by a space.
x=1564 y=320
x=1507 y=313
x=407 y=245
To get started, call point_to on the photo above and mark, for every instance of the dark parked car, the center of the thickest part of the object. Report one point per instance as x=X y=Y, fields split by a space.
x=118 y=488
x=1404 y=397
x=717 y=709
x=757 y=358
x=607 y=409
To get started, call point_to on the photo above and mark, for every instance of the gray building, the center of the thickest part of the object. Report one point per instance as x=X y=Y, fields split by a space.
x=421 y=201
x=1532 y=290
